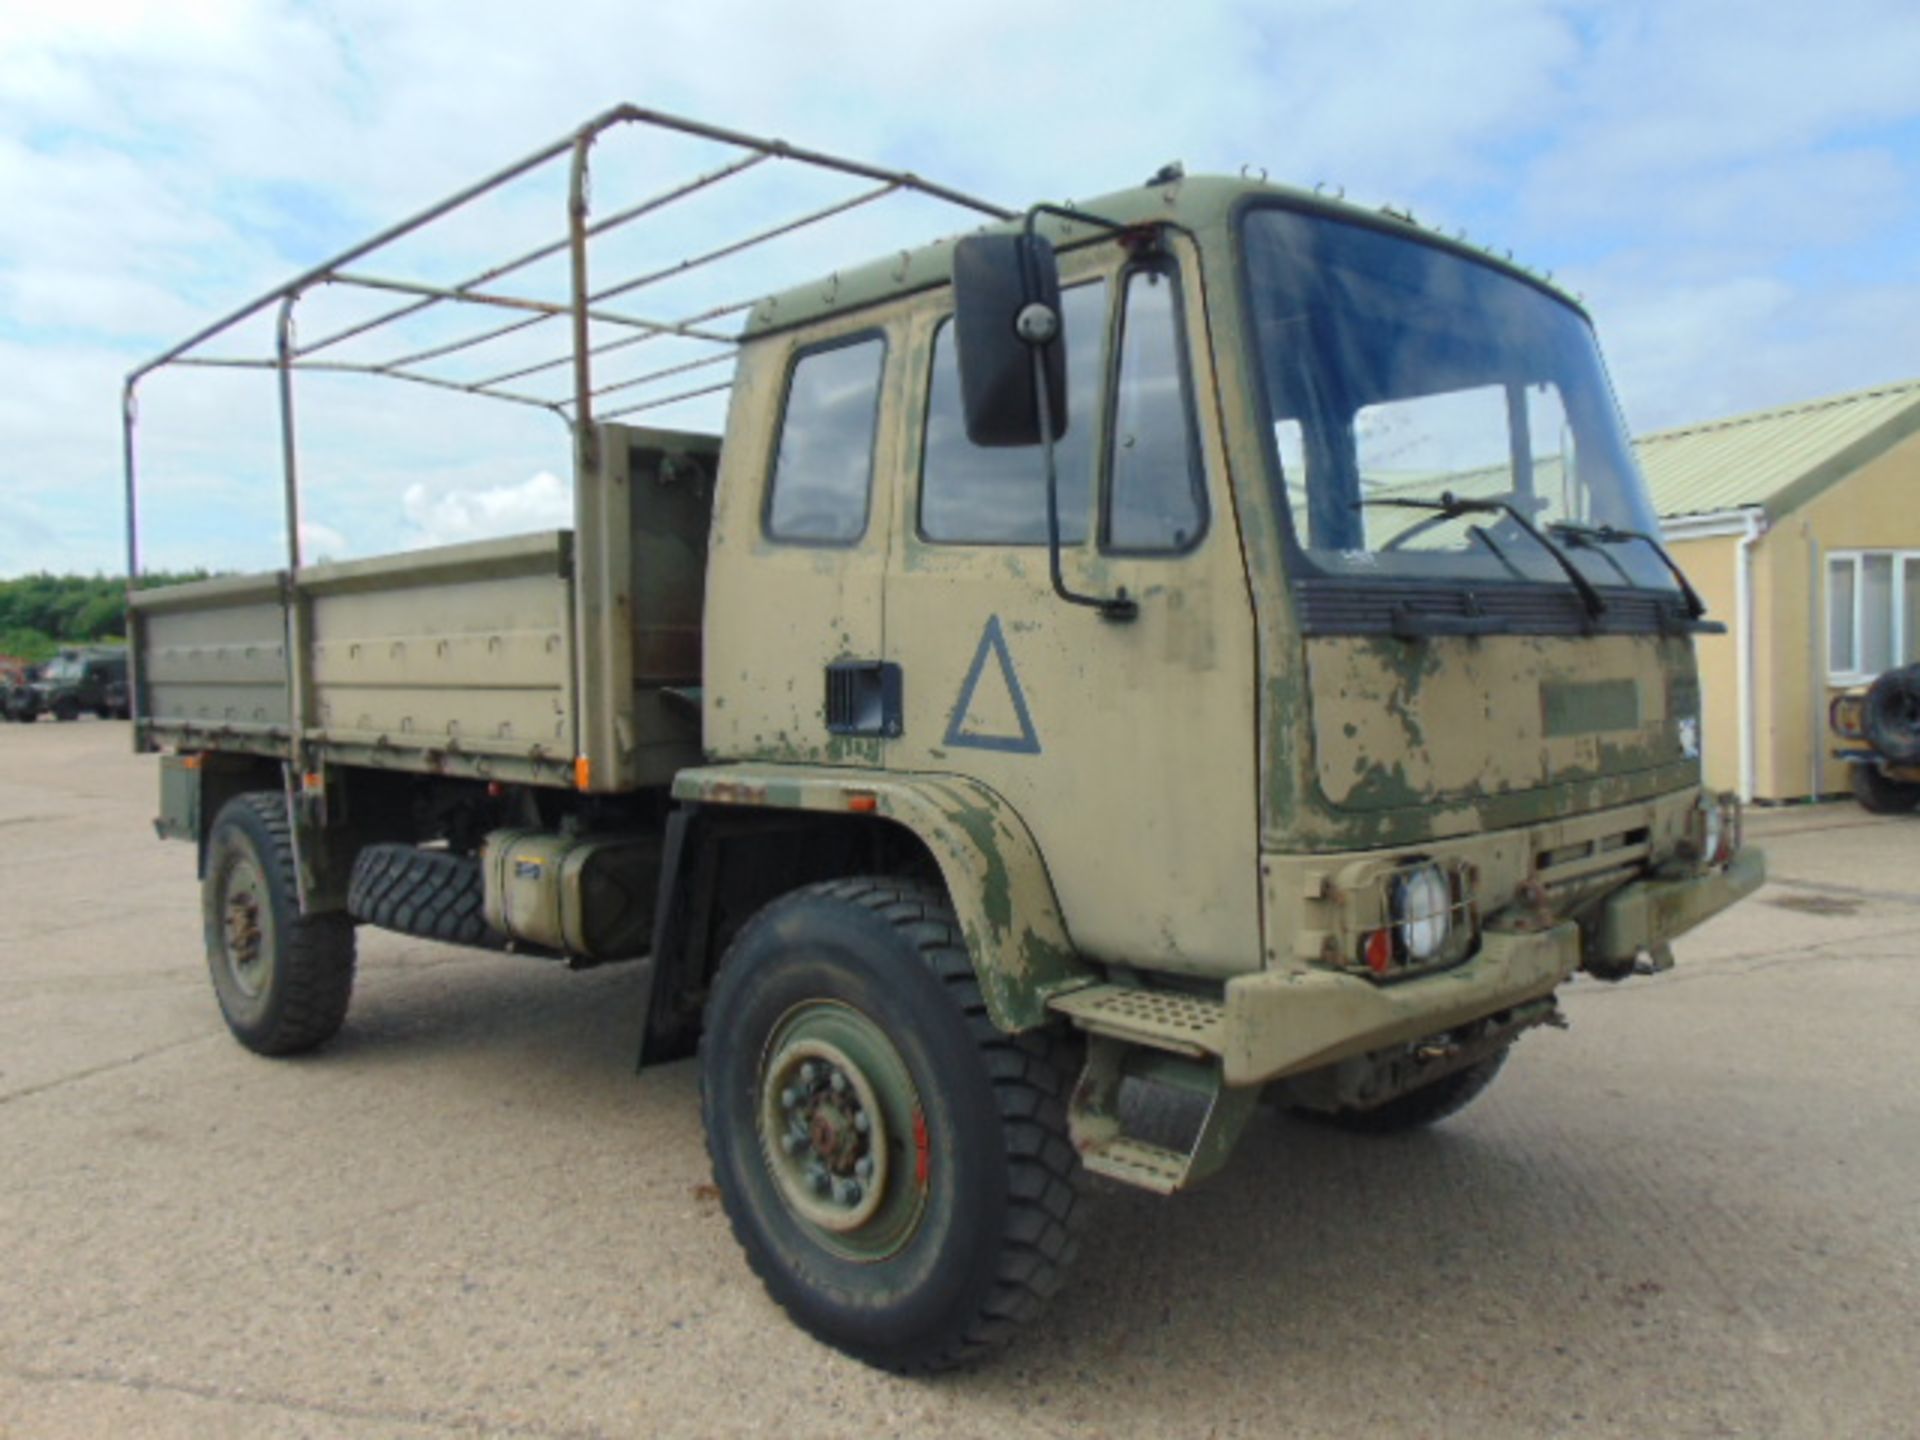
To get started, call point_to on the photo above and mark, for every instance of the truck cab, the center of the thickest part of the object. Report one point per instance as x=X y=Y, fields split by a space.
x=1402 y=722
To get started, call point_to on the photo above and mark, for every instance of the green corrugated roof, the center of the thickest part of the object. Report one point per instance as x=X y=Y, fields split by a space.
x=1774 y=460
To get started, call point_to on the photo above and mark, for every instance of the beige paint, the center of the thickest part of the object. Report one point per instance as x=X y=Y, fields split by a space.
x=778 y=614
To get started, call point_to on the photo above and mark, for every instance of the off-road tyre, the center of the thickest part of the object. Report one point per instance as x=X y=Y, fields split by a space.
x=975 y=1212
x=1431 y=1103
x=283 y=979
x=1880 y=794
x=429 y=893
x=66 y=708
x=1890 y=716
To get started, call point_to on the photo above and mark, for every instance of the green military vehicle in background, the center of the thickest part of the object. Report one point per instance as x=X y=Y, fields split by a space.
x=72 y=683
x=1209 y=643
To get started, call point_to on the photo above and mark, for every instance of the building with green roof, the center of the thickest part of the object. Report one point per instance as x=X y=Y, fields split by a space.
x=1800 y=526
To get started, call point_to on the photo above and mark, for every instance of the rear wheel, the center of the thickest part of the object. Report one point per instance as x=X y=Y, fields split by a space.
x=1880 y=794
x=1430 y=1103
x=897 y=1170
x=66 y=708
x=283 y=979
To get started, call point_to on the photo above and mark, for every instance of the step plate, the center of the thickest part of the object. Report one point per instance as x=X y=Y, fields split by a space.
x=1184 y=1024
x=1139 y=1163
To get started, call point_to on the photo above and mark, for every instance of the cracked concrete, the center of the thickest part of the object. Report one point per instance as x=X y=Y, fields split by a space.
x=1695 y=1214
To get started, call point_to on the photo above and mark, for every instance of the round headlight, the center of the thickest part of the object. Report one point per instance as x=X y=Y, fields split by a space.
x=1422 y=911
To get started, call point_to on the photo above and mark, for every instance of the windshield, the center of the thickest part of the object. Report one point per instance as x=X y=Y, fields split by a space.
x=62 y=668
x=1397 y=373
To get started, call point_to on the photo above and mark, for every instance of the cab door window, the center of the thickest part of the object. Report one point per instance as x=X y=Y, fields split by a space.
x=975 y=495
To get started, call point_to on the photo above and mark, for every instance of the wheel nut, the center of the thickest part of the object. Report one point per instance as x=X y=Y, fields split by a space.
x=817 y=1177
x=864 y=1169
x=794 y=1145
x=789 y=1098
x=838 y=1083
x=847 y=1192
x=861 y=1122
x=809 y=1073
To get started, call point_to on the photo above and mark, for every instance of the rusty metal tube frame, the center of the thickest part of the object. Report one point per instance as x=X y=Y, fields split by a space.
x=289 y=357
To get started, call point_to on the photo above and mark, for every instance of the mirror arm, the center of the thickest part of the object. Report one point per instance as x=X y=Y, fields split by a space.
x=1119 y=606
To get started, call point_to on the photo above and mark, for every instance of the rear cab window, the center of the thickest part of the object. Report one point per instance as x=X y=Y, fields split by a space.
x=822 y=481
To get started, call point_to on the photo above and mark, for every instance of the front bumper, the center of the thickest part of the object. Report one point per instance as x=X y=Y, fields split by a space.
x=1279 y=1023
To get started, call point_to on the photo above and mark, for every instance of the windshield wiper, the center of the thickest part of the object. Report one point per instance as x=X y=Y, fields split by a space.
x=1613 y=535
x=1449 y=506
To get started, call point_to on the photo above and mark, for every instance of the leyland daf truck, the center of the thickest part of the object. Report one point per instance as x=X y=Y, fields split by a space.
x=1201 y=645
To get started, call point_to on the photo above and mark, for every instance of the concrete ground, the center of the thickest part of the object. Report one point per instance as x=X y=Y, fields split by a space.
x=1695 y=1214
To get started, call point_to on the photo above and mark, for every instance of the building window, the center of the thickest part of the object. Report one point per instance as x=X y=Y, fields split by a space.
x=1873 y=613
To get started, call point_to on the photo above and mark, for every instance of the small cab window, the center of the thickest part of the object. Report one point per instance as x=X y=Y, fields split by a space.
x=970 y=494
x=823 y=472
x=1156 y=500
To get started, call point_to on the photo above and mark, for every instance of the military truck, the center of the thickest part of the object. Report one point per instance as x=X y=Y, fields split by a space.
x=1204 y=645
x=73 y=682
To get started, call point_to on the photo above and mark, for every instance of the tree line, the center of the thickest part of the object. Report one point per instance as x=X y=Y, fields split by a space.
x=41 y=613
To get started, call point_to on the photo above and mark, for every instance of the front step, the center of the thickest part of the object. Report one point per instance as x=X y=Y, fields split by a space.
x=1163 y=1039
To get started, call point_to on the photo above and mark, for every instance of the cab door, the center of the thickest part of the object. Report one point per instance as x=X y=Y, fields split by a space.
x=1128 y=746
x=799 y=546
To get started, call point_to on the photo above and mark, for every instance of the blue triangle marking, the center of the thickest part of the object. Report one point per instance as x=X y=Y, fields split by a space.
x=993 y=641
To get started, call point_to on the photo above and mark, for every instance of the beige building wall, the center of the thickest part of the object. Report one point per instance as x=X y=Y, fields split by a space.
x=1875 y=508
x=1709 y=564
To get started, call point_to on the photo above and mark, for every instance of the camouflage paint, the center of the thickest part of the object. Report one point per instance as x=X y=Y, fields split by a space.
x=1016 y=935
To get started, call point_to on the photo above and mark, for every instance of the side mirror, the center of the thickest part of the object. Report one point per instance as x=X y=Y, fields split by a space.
x=1006 y=305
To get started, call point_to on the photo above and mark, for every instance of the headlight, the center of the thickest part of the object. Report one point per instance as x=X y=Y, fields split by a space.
x=1422 y=911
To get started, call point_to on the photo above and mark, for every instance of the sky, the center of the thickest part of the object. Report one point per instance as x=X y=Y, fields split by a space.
x=1733 y=188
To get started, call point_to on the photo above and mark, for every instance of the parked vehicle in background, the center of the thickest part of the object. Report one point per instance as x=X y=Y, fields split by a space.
x=1092 y=659
x=1881 y=725
x=72 y=683
x=13 y=675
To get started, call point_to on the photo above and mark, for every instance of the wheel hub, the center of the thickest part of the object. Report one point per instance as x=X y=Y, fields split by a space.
x=244 y=921
x=830 y=1132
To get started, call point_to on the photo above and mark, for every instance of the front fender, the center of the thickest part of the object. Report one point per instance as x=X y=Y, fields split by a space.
x=995 y=877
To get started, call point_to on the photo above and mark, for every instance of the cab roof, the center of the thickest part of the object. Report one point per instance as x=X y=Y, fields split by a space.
x=1197 y=203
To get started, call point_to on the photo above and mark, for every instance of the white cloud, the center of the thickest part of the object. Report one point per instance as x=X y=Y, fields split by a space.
x=540 y=502
x=321 y=542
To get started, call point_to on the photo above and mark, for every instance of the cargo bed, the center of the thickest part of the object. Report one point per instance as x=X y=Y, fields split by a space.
x=567 y=658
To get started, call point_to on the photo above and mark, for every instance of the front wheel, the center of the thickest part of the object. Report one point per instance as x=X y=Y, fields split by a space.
x=283 y=979
x=897 y=1170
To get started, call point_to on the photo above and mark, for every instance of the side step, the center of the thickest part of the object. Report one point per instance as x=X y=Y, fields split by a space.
x=1170 y=1043
x=1191 y=1025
